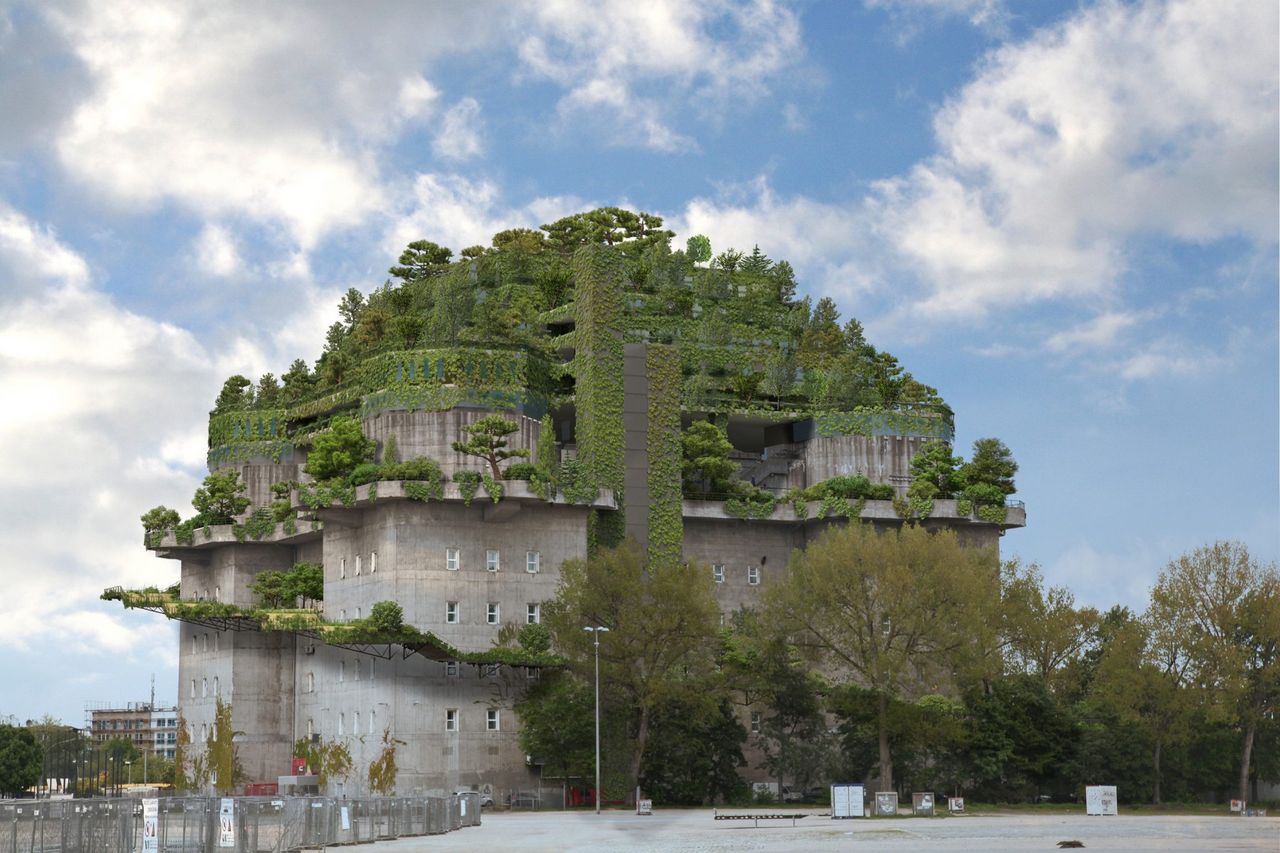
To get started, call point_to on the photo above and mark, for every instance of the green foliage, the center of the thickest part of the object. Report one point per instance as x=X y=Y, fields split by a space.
x=934 y=465
x=390 y=452
x=698 y=249
x=468 y=484
x=221 y=498
x=750 y=502
x=696 y=751
x=386 y=616
x=522 y=471
x=221 y=752
x=991 y=465
x=662 y=437
x=236 y=393
x=326 y=759
x=157 y=523
x=606 y=226
x=303 y=581
x=336 y=452
x=20 y=760
x=383 y=769
x=488 y=441
x=706 y=468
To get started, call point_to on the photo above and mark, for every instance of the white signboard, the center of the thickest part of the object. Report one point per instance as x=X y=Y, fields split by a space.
x=846 y=801
x=887 y=803
x=463 y=802
x=1100 y=799
x=227 y=823
x=345 y=815
x=150 y=825
x=1237 y=805
x=644 y=807
x=955 y=805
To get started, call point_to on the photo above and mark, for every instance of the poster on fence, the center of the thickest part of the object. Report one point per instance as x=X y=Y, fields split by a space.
x=227 y=823
x=150 y=825
x=1100 y=799
x=345 y=817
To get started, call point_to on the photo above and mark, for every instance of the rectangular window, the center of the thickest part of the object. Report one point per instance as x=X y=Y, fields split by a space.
x=357 y=565
x=753 y=575
x=532 y=562
x=342 y=567
x=717 y=572
x=451 y=668
x=451 y=720
x=491 y=615
x=452 y=557
x=755 y=722
x=373 y=561
x=533 y=614
x=491 y=560
x=492 y=670
x=492 y=721
x=451 y=612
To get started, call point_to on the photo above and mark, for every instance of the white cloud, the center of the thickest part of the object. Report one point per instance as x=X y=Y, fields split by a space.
x=98 y=401
x=1166 y=358
x=456 y=212
x=216 y=253
x=1122 y=122
x=638 y=62
x=1101 y=331
x=459 y=135
x=981 y=13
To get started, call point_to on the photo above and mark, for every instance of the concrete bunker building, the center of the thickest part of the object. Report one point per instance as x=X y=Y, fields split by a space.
x=635 y=343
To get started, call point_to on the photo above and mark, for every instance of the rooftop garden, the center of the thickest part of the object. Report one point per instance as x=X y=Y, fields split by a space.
x=495 y=326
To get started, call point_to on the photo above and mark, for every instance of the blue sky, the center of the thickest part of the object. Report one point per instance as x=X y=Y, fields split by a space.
x=1062 y=215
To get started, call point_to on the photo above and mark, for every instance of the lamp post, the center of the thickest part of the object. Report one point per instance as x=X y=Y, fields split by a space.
x=596 y=630
x=128 y=778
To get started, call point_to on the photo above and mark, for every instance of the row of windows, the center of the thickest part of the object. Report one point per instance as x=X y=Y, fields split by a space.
x=359 y=564
x=352 y=724
x=451 y=669
x=204 y=688
x=718 y=574
x=200 y=642
x=492 y=560
x=492 y=613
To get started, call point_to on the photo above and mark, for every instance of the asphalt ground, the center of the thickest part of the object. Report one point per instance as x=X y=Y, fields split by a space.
x=687 y=831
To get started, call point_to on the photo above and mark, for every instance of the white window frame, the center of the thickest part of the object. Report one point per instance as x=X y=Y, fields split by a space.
x=342 y=724
x=533 y=562
x=451 y=669
x=204 y=688
x=450 y=719
x=533 y=614
x=373 y=561
x=492 y=720
x=753 y=575
x=193 y=688
x=493 y=613
x=311 y=682
x=452 y=559
x=451 y=613
x=717 y=572
x=217 y=686
x=342 y=567
x=358 y=565
x=492 y=560
x=342 y=671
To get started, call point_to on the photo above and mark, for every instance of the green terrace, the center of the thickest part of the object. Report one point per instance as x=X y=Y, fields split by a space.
x=366 y=636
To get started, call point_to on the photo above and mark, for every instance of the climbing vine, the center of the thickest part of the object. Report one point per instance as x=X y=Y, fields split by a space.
x=666 y=519
x=382 y=770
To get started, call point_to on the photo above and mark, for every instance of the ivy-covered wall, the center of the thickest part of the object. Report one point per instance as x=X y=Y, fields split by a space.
x=597 y=367
x=666 y=526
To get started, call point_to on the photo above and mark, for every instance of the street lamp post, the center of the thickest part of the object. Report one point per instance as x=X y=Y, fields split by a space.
x=596 y=630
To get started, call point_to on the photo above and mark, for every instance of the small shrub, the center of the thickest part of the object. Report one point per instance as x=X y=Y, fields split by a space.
x=521 y=471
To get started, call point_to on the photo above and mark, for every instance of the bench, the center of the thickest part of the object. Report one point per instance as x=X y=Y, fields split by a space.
x=756 y=818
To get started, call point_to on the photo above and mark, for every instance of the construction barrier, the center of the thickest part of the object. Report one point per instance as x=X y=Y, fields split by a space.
x=225 y=824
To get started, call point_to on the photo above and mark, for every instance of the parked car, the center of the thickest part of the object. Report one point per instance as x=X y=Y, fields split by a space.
x=486 y=800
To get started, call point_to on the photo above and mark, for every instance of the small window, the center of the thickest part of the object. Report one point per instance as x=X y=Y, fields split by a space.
x=193 y=644
x=204 y=642
x=491 y=615
x=217 y=642
x=204 y=687
x=311 y=682
x=755 y=722
x=532 y=562
x=753 y=575
x=358 y=613
x=532 y=673
x=342 y=567
x=342 y=724
x=357 y=565
x=492 y=721
x=451 y=668
x=355 y=722
x=204 y=733
x=311 y=727
x=193 y=687
x=373 y=561
x=217 y=593
x=342 y=671
x=451 y=612
x=452 y=558
x=533 y=614
x=356 y=671
x=216 y=690
x=717 y=572
x=491 y=560
x=372 y=716
x=451 y=720
x=492 y=670
x=371 y=663
x=342 y=615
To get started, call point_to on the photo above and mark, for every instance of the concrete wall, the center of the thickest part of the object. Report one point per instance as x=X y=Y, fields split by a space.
x=432 y=434
x=882 y=459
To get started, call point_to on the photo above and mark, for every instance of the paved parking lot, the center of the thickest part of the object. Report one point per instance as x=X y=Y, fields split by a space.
x=695 y=830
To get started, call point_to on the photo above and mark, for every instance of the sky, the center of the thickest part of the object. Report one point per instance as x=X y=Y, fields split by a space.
x=1061 y=215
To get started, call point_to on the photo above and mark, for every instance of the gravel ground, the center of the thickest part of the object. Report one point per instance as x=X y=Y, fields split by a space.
x=688 y=831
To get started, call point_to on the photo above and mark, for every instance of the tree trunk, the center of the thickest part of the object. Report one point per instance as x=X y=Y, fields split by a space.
x=642 y=737
x=1155 y=797
x=1250 y=728
x=886 y=760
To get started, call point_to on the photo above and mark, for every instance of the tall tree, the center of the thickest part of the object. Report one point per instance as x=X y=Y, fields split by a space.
x=662 y=623
x=221 y=497
x=20 y=759
x=488 y=441
x=888 y=612
x=1227 y=605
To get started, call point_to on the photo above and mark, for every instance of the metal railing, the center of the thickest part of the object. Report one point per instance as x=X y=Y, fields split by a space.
x=232 y=825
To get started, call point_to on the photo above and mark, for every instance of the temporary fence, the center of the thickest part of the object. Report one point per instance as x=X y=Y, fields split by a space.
x=225 y=825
